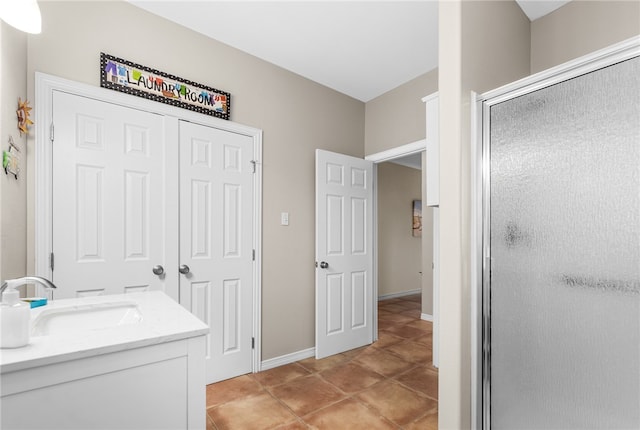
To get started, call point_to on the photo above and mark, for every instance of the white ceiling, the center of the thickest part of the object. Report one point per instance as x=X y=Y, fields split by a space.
x=359 y=48
x=535 y=9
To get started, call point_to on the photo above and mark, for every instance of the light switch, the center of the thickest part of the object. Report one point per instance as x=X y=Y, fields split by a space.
x=284 y=218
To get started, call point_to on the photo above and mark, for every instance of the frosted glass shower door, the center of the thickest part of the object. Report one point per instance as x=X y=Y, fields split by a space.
x=565 y=248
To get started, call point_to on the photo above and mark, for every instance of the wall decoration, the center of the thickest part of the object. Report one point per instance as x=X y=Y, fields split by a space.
x=11 y=159
x=23 y=112
x=417 y=218
x=131 y=78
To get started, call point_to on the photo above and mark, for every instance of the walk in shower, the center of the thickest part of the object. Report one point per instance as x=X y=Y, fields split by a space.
x=561 y=244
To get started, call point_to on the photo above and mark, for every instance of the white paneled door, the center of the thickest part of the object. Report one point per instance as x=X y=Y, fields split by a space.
x=216 y=238
x=344 y=254
x=109 y=198
x=144 y=201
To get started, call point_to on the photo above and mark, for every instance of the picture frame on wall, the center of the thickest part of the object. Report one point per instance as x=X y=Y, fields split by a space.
x=417 y=218
x=128 y=77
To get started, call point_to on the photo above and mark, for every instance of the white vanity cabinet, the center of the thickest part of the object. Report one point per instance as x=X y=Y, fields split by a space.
x=433 y=150
x=148 y=375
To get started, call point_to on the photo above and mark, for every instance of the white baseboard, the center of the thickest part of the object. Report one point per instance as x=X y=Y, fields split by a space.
x=311 y=352
x=287 y=359
x=402 y=294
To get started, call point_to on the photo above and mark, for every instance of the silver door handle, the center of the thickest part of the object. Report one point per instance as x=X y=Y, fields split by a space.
x=158 y=270
x=184 y=269
x=324 y=265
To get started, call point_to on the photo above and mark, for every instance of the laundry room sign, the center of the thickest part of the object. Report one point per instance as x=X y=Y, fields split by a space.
x=131 y=78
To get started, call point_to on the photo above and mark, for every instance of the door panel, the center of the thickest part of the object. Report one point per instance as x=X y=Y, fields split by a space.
x=344 y=289
x=109 y=201
x=216 y=196
x=564 y=243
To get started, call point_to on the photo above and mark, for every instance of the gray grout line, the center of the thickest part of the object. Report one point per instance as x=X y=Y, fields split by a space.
x=351 y=359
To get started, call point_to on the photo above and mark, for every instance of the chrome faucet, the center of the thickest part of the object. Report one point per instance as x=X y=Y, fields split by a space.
x=15 y=283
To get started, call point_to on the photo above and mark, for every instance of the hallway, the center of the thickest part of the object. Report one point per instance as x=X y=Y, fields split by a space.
x=390 y=384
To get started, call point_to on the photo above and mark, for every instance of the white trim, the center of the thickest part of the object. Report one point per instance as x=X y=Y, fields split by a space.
x=400 y=151
x=426 y=317
x=436 y=286
x=42 y=175
x=588 y=63
x=432 y=159
x=430 y=97
x=374 y=244
x=288 y=358
x=476 y=266
x=257 y=245
x=401 y=294
x=44 y=88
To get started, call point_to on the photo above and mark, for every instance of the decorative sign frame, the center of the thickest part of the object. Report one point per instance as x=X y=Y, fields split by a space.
x=131 y=78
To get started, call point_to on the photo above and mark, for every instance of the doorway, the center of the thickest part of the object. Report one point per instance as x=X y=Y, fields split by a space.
x=346 y=243
x=403 y=225
x=414 y=154
x=405 y=232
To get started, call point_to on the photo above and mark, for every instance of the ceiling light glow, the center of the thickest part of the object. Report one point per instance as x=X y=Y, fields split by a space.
x=22 y=14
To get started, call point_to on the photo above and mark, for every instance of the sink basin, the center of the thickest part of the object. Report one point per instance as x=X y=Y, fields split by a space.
x=81 y=318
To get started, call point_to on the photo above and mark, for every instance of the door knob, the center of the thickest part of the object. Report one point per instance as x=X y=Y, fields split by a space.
x=184 y=269
x=158 y=270
x=324 y=265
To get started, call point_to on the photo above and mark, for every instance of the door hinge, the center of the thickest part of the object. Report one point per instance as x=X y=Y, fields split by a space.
x=51 y=261
x=253 y=255
x=253 y=163
x=51 y=130
x=253 y=343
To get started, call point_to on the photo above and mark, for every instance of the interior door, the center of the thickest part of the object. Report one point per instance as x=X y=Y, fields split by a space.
x=216 y=238
x=344 y=254
x=109 y=198
x=564 y=319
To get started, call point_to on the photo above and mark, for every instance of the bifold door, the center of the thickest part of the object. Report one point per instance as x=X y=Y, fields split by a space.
x=134 y=212
x=216 y=237
x=109 y=198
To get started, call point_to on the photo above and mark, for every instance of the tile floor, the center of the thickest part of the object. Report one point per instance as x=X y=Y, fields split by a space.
x=390 y=384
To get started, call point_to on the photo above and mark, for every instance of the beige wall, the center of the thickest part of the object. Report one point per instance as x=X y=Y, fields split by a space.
x=399 y=253
x=296 y=115
x=13 y=194
x=483 y=45
x=397 y=117
x=581 y=27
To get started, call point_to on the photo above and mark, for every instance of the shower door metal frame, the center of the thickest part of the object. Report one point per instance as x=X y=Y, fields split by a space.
x=481 y=193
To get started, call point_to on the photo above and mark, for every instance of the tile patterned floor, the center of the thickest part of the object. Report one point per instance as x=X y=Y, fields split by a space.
x=388 y=385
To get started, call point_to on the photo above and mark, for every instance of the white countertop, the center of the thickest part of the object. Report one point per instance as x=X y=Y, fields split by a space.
x=163 y=320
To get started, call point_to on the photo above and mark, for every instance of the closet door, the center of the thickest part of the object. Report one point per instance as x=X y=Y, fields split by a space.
x=216 y=238
x=110 y=208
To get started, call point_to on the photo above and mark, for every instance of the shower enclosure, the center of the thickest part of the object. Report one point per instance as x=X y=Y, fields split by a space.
x=561 y=244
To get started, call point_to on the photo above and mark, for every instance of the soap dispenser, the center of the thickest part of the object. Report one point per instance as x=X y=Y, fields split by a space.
x=14 y=320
